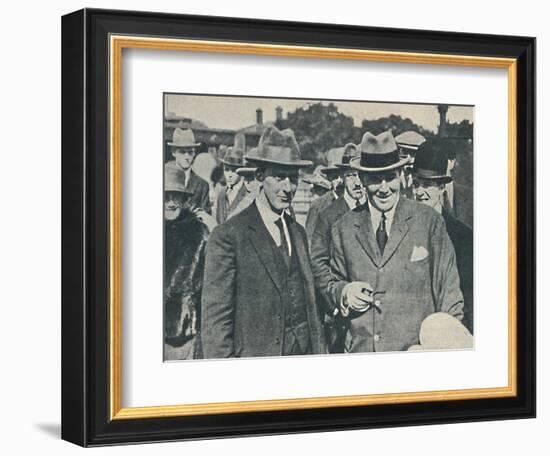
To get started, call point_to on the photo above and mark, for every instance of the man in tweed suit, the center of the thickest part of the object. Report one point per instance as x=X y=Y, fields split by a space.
x=392 y=262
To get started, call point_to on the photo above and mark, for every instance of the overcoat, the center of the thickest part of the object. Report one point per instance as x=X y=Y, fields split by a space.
x=242 y=300
x=415 y=277
x=316 y=208
x=223 y=209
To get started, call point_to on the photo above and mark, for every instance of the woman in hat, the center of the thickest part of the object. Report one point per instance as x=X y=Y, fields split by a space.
x=185 y=236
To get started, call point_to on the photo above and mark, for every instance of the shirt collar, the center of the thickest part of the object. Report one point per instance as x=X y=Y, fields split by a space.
x=267 y=214
x=237 y=186
x=352 y=203
x=376 y=214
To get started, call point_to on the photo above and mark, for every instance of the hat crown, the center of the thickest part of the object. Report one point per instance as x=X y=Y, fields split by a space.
x=183 y=138
x=278 y=146
x=350 y=151
x=234 y=157
x=431 y=157
x=174 y=178
x=410 y=138
x=384 y=143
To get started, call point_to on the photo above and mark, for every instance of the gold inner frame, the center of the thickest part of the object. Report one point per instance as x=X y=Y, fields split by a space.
x=117 y=44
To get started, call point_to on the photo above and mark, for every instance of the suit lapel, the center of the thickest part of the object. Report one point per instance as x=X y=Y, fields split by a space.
x=240 y=195
x=299 y=249
x=399 y=229
x=365 y=234
x=265 y=248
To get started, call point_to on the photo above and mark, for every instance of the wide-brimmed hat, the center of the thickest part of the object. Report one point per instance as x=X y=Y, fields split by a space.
x=174 y=179
x=317 y=181
x=378 y=153
x=234 y=155
x=183 y=138
x=278 y=147
x=409 y=140
x=431 y=161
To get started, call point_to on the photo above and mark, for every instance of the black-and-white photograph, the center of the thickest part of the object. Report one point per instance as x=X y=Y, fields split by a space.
x=315 y=227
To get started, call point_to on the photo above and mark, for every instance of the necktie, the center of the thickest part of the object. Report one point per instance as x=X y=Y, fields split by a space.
x=381 y=235
x=357 y=203
x=284 y=245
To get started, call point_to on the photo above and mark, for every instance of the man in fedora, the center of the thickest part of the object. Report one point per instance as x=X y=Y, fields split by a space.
x=234 y=191
x=392 y=262
x=429 y=180
x=184 y=149
x=333 y=175
x=261 y=301
x=353 y=197
x=252 y=186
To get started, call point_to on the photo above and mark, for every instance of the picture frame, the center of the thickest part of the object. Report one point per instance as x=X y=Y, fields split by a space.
x=92 y=366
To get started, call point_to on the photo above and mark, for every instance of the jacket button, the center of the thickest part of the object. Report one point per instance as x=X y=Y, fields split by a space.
x=376 y=337
x=278 y=317
x=278 y=341
x=377 y=303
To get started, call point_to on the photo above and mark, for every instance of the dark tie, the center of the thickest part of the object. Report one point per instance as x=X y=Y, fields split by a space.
x=284 y=245
x=381 y=235
x=357 y=203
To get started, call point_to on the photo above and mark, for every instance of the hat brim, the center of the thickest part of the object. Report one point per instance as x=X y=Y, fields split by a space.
x=245 y=170
x=294 y=164
x=355 y=163
x=343 y=166
x=184 y=146
x=444 y=179
x=325 y=169
x=175 y=188
x=235 y=165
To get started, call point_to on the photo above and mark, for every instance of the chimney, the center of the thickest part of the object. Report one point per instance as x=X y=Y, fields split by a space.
x=259 y=116
x=279 y=113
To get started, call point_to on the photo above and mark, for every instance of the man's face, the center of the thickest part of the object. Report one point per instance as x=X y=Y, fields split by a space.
x=353 y=184
x=231 y=176
x=174 y=202
x=279 y=184
x=428 y=192
x=184 y=157
x=382 y=188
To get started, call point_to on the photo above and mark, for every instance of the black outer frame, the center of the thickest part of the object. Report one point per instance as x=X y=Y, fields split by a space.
x=85 y=227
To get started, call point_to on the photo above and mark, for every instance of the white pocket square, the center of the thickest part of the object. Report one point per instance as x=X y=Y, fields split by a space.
x=418 y=253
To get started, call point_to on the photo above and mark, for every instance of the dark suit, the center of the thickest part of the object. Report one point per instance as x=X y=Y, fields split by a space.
x=462 y=239
x=243 y=300
x=320 y=265
x=316 y=208
x=201 y=192
x=415 y=277
x=223 y=208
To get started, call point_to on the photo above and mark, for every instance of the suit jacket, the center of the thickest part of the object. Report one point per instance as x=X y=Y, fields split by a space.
x=223 y=209
x=316 y=208
x=201 y=192
x=242 y=300
x=462 y=238
x=415 y=277
x=320 y=246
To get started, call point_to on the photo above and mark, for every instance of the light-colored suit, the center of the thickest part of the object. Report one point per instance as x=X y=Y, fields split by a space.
x=415 y=277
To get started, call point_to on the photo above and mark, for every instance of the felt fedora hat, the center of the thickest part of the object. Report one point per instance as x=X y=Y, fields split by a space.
x=378 y=153
x=278 y=147
x=234 y=155
x=174 y=179
x=350 y=151
x=183 y=138
x=431 y=161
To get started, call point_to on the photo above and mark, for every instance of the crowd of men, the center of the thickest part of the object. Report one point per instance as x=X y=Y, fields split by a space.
x=382 y=264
